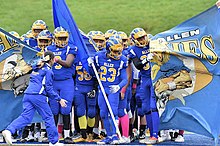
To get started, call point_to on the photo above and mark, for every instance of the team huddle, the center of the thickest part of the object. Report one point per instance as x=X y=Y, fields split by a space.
x=60 y=81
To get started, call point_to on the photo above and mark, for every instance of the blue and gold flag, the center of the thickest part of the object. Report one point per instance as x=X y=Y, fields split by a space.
x=186 y=74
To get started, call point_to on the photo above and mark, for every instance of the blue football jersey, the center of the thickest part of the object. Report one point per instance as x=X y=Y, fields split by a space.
x=60 y=72
x=141 y=53
x=110 y=70
x=82 y=76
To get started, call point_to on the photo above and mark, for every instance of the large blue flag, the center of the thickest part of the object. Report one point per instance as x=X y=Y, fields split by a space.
x=16 y=58
x=186 y=74
x=63 y=17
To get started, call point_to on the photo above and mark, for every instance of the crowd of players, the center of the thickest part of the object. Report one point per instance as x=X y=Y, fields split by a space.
x=123 y=65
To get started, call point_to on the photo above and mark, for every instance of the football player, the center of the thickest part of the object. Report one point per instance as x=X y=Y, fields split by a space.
x=125 y=96
x=63 y=82
x=36 y=28
x=111 y=66
x=85 y=102
x=140 y=56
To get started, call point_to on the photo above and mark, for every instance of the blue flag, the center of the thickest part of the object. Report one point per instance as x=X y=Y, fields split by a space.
x=15 y=60
x=63 y=17
x=186 y=74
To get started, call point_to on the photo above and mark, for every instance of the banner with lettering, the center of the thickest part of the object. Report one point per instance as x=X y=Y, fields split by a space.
x=186 y=74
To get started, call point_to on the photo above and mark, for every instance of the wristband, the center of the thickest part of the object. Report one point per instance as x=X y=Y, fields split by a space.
x=123 y=90
x=134 y=86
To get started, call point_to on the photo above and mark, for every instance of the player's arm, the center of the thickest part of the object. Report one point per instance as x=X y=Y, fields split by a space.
x=123 y=77
x=129 y=75
x=68 y=62
x=138 y=63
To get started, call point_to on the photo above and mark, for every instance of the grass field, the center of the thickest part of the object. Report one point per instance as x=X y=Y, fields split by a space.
x=153 y=15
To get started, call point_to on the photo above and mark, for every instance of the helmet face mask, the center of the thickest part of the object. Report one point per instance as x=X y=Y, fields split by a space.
x=61 y=37
x=43 y=43
x=37 y=31
x=124 y=38
x=116 y=53
x=142 y=41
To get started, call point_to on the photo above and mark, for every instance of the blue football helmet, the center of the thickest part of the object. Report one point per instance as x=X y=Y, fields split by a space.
x=109 y=33
x=114 y=47
x=124 y=38
x=61 y=37
x=99 y=38
x=44 y=39
x=139 y=37
x=91 y=33
x=37 y=27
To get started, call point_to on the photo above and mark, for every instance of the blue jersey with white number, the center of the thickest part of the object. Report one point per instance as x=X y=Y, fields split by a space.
x=60 y=72
x=141 y=53
x=111 y=72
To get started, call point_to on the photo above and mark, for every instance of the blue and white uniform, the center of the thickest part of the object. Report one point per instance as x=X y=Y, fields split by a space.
x=111 y=72
x=35 y=98
x=63 y=79
x=84 y=84
x=124 y=104
x=148 y=99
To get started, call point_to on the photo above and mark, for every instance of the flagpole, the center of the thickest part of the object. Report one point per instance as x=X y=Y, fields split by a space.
x=106 y=100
